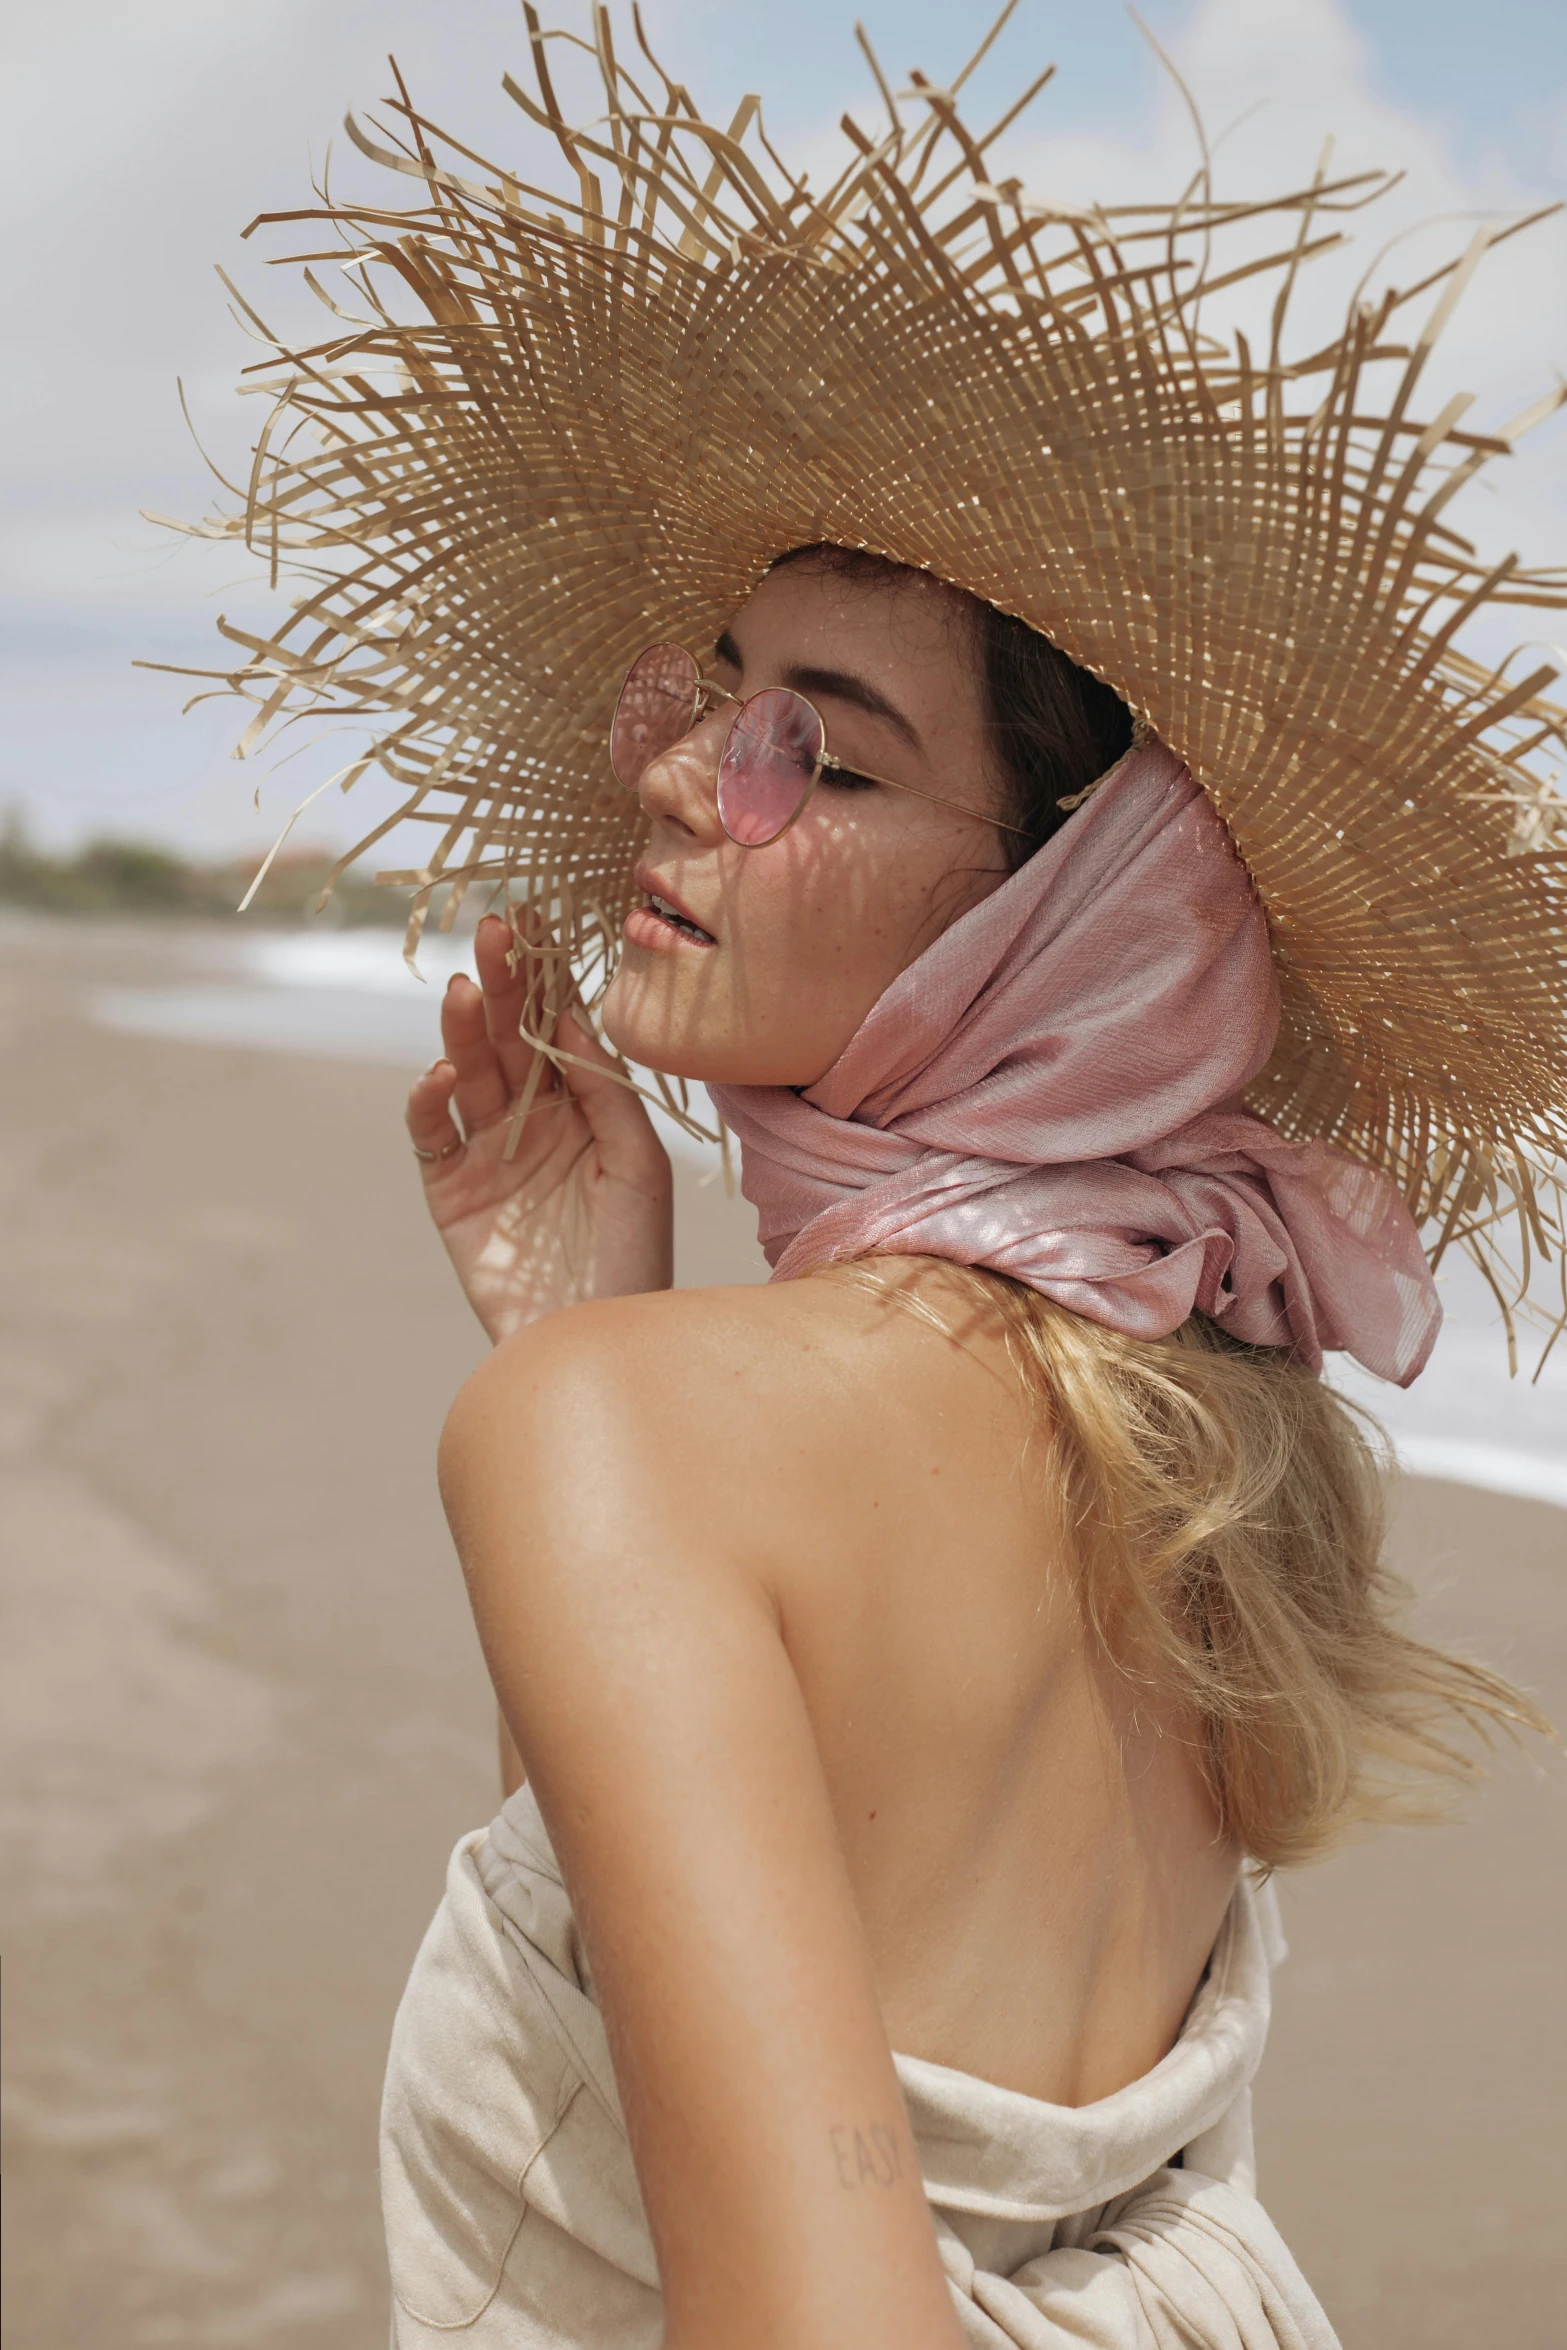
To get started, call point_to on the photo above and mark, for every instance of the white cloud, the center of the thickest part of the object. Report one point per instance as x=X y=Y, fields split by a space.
x=1273 y=84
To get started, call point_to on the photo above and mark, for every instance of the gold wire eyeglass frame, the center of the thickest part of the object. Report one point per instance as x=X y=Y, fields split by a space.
x=708 y=693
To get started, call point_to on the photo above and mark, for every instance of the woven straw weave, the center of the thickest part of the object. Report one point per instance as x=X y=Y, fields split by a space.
x=564 y=426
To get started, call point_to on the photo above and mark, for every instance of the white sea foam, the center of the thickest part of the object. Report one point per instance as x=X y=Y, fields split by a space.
x=1464 y=1418
x=1493 y=1467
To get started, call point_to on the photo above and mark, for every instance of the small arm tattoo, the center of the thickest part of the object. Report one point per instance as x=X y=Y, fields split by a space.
x=871 y=2157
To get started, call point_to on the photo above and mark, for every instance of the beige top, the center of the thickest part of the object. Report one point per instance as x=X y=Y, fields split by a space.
x=513 y=2215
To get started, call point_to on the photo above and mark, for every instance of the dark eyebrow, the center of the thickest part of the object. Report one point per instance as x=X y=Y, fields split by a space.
x=830 y=685
x=839 y=685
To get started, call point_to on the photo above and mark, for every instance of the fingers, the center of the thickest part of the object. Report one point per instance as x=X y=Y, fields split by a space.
x=479 y=1087
x=492 y=1061
x=504 y=997
x=523 y=980
x=431 y=1126
x=514 y=967
x=628 y=1144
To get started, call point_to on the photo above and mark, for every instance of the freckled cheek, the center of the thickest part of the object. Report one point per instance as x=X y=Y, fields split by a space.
x=835 y=895
x=885 y=882
x=792 y=884
x=838 y=918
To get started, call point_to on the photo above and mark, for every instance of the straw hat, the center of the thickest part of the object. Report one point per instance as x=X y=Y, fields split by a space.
x=558 y=427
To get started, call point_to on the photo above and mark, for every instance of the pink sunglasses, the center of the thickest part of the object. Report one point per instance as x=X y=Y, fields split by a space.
x=773 y=757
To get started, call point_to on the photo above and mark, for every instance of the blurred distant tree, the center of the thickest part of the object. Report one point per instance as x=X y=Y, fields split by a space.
x=125 y=877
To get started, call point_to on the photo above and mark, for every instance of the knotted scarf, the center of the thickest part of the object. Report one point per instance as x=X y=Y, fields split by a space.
x=1052 y=1089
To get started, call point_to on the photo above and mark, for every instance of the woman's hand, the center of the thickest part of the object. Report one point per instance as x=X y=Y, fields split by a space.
x=584 y=1207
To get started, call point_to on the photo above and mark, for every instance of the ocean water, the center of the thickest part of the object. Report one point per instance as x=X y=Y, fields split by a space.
x=348 y=995
x=345 y=995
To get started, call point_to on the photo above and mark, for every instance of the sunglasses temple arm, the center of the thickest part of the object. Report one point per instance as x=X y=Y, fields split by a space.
x=936 y=799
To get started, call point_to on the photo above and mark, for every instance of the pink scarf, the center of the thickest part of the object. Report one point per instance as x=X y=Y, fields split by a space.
x=1049 y=1090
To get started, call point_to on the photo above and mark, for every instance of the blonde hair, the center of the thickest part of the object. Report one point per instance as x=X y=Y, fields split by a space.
x=1226 y=1512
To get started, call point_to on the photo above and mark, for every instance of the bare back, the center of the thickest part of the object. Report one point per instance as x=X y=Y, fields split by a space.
x=1033 y=1847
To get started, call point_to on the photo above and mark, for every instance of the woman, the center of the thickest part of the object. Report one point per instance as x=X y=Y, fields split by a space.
x=779 y=1595
x=913 y=1663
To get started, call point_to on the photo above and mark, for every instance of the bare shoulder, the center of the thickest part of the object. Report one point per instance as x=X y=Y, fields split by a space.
x=764 y=1404
x=631 y=1360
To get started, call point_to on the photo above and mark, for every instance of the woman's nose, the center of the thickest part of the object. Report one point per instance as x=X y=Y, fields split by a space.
x=680 y=786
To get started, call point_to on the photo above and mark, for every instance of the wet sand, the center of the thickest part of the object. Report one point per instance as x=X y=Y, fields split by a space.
x=244 y=1718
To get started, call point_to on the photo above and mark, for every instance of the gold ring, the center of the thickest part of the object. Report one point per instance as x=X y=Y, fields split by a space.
x=448 y=1150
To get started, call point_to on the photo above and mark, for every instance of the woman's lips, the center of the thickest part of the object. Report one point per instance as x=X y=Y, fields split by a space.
x=661 y=920
x=661 y=923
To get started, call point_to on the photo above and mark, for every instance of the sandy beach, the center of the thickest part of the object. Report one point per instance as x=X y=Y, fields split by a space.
x=244 y=1719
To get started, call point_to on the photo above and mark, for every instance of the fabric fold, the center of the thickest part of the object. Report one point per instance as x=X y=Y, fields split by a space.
x=513 y=2213
x=1053 y=1088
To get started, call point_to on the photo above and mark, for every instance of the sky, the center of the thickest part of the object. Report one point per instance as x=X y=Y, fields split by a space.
x=140 y=141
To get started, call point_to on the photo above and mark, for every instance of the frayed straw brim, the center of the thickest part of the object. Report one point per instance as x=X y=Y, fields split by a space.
x=612 y=409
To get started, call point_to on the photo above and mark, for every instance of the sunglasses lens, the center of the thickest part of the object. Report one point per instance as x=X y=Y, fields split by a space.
x=656 y=707
x=768 y=766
